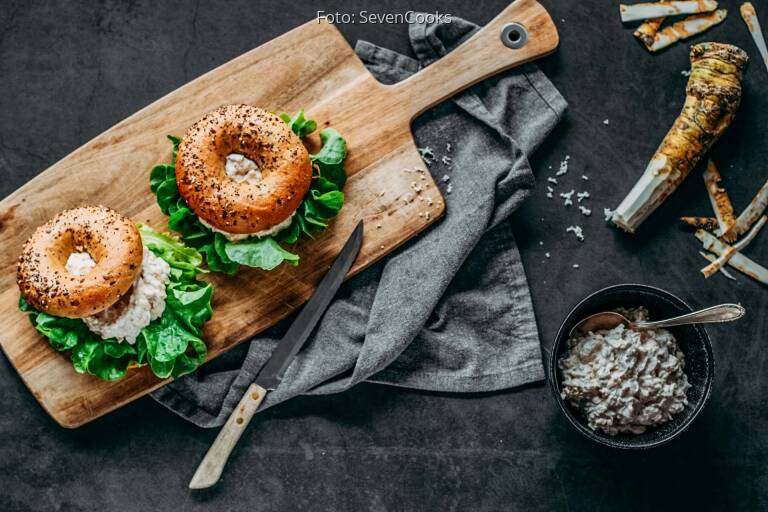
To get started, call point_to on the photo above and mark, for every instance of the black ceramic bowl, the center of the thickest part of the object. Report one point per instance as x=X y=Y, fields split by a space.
x=692 y=340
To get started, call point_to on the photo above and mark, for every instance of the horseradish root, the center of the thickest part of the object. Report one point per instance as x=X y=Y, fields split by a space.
x=751 y=213
x=731 y=250
x=736 y=260
x=750 y=18
x=721 y=203
x=713 y=95
x=688 y=27
x=650 y=10
x=708 y=223
x=647 y=31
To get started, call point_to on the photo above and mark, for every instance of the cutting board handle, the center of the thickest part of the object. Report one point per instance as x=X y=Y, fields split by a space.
x=482 y=55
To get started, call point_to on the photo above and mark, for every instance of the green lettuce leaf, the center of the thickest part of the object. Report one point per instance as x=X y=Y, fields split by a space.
x=322 y=203
x=299 y=124
x=264 y=253
x=186 y=259
x=171 y=345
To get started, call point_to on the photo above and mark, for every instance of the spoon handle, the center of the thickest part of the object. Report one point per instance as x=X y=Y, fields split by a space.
x=714 y=314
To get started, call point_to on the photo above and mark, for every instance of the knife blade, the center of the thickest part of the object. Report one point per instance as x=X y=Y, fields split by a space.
x=271 y=374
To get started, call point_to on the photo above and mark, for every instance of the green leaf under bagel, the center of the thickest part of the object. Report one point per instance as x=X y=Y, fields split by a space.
x=321 y=204
x=171 y=345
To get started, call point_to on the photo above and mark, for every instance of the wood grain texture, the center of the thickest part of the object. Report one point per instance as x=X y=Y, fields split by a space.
x=310 y=67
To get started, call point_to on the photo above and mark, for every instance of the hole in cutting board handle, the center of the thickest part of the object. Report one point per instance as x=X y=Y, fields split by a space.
x=514 y=35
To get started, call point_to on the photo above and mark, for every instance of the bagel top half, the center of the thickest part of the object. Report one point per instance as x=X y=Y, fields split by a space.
x=242 y=207
x=111 y=239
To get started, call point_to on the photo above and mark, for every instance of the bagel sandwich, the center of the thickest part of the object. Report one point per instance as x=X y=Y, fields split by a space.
x=241 y=185
x=116 y=295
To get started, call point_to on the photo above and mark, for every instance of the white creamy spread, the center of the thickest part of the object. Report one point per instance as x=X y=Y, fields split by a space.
x=235 y=237
x=625 y=380
x=240 y=169
x=136 y=309
x=80 y=263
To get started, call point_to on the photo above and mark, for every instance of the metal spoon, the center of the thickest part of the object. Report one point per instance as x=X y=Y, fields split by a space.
x=610 y=319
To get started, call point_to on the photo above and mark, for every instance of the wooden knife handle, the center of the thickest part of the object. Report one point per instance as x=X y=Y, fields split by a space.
x=481 y=56
x=210 y=469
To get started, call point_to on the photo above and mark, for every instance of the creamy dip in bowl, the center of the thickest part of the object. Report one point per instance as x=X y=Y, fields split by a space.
x=674 y=394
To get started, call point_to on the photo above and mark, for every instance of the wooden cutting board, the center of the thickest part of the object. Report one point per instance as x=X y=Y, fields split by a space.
x=310 y=67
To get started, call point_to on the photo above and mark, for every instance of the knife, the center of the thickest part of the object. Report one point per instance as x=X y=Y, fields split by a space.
x=269 y=376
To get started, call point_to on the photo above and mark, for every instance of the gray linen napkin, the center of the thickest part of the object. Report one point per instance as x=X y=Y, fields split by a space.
x=449 y=311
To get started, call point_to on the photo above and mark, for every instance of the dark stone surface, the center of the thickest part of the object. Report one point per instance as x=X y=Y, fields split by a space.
x=70 y=71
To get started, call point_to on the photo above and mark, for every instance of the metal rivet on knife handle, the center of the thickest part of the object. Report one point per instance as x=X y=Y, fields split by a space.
x=514 y=35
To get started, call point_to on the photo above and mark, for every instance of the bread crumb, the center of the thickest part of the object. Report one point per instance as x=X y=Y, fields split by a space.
x=427 y=154
x=582 y=196
x=568 y=197
x=577 y=231
x=552 y=180
x=585 y=211
x=563 y=166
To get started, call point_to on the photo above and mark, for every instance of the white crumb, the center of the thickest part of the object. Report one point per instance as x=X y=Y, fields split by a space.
x=585 y=211
x=447 y=160
x=686 y=72
x=449 y=188
x=549 y=195
x=568 y=197
x=608 y=214
x=563 y=166
x=552 y=180
x=606 y=122
x=446 y=178
x=448 y=147
x=546 y=254
x=541 y=243
x=427 y=154
x=582 y=196
x=585 y=177
x=577 y=231
x=575 y=265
